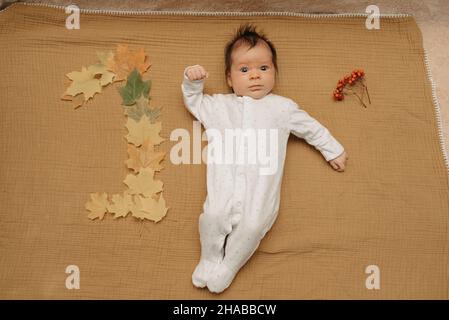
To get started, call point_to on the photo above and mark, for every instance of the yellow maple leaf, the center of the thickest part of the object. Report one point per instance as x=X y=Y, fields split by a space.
x=88 y=81
x=143 y=130
x=143 y=183
x=121 y=205
x=106 y=76
x=149 y=208
x=97 y=205
x=143 y=157
x=83 y=81
x=136 y=210
x=124 y=61
x=156 y=209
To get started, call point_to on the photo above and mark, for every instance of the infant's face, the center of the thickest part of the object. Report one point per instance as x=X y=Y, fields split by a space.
x=252 y=71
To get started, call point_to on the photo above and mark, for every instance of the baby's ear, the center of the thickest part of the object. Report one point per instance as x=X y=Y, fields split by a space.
x=228 y=80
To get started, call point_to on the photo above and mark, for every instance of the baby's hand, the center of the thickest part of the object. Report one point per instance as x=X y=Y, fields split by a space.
x=339 y=162
x=196 y=72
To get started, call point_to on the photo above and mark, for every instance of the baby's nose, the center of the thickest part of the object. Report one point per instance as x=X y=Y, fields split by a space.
x=254 y=75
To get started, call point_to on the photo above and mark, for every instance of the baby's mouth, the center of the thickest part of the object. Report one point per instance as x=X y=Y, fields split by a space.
x=255 y=87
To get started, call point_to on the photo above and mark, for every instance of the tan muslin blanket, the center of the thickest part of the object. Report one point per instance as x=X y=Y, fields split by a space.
x=388 y=209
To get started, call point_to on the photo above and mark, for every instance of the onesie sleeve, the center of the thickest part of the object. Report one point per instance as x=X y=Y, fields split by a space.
x=199 y=104
x=302 y=125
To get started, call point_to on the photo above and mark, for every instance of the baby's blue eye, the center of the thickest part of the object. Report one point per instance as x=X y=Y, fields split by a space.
x=264 y=68
x=244 y=69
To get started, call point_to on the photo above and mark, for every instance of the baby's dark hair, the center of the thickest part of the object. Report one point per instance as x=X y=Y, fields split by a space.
x=247 y=34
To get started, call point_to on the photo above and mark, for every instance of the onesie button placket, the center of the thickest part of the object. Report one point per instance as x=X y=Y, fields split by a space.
x=240 y=180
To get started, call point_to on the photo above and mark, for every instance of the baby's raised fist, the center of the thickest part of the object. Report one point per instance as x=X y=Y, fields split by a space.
x=196 y=72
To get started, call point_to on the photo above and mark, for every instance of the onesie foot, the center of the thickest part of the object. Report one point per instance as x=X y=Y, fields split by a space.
x=220 y=279
x=202 y=272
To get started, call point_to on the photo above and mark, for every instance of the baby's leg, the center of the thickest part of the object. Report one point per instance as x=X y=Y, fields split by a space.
x=213 y=230
x=240 y=246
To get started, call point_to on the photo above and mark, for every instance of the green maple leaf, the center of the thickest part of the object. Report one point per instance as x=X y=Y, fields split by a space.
x=134 y=88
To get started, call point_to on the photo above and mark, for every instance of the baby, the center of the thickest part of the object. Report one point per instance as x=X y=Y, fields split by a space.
x=242 y=204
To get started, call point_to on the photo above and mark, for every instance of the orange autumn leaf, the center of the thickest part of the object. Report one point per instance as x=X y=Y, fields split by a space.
x=144 y=157
x=124 y=61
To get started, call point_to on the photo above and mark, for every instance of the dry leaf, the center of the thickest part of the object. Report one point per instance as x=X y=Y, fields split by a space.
x=143 y=183
x=143 y=130
x=106 y=76
x=149 y=208
x=125 y=61
x=136 y=210
x=140 y=108
x=135 y=88
x=83 y=81
x=144 y=157
x=121 y=205
x=156 y=208
x=105 y=57
x=86 y=83
x=97 y=205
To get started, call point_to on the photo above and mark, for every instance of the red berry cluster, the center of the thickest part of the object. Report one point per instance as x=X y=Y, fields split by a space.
x=349 y=79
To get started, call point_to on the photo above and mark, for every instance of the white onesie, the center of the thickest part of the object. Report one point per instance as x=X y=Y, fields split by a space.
x=242 y=197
